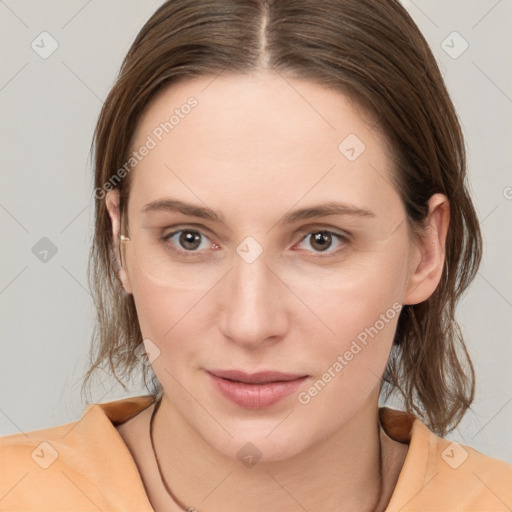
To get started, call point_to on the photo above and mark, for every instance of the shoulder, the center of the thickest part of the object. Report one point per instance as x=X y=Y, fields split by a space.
x=441 y=474
x=461 y=472
x=37 y=466
x=82 y=465
x=38 y=447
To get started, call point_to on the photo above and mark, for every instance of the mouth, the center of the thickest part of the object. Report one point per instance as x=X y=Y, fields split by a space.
x=263 y=377
x=256 y=390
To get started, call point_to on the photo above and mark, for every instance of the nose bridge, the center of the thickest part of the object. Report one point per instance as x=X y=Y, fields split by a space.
x=252 y=311
x=250 y=274
x=250 y=281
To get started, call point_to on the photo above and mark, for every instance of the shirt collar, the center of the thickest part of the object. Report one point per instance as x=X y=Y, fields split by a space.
x=398 y=425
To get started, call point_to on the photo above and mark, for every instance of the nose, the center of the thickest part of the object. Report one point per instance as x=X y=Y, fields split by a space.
x=254 y=306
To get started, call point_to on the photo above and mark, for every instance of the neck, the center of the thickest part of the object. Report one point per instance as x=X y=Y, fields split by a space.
x=342 y=472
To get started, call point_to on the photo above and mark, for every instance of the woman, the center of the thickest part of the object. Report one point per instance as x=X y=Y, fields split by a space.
x=283 y=231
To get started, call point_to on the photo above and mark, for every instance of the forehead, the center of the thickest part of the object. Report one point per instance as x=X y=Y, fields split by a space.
x=255 y=108
x=263 y=137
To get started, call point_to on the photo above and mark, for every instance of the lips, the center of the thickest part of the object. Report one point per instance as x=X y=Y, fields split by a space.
x=255 y=378
x=256 y=390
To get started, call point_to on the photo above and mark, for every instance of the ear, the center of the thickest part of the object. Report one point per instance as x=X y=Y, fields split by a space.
x=428 y=253
x=112 y=204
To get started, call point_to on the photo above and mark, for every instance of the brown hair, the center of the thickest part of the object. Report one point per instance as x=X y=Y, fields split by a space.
x=370 y=50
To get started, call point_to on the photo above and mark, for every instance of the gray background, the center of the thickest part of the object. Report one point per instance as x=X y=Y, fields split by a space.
x=49 y=108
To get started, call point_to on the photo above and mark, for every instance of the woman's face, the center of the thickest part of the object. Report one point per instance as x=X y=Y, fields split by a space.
x=267 y=283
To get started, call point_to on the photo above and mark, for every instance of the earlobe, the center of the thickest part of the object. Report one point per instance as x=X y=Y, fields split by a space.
x=428 y=254
x=112 y=205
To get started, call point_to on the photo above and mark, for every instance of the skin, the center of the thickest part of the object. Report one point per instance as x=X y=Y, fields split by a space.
x=255 y=148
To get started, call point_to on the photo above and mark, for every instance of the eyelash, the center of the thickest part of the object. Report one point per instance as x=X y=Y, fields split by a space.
x=343 y=239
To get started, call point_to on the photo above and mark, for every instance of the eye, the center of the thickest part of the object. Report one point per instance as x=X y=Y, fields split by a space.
x=323 y=240
x=188 y=240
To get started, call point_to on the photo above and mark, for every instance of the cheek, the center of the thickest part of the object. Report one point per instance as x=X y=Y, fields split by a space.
x=349 y=364
x=359 y=307
x=354 y=293
x=168 y=316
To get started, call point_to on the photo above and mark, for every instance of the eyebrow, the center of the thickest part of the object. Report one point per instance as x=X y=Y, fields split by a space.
x=323 y=210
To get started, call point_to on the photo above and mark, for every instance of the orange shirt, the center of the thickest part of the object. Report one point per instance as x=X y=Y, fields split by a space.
x=85 y=465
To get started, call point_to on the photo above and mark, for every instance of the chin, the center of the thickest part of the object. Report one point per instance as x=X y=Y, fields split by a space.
x=272 y=440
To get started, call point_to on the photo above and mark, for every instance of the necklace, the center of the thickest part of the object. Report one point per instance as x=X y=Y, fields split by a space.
x=167 y=488
x=169 y=492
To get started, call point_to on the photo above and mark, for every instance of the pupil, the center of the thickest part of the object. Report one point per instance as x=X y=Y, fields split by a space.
x=189 y=237
x=323 y=239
